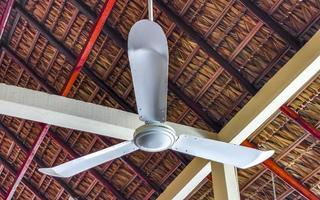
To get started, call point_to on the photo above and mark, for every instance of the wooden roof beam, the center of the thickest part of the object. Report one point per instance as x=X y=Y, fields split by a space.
x=195 y=36
x=275 y=26
x=281 y=173
x=24 y=148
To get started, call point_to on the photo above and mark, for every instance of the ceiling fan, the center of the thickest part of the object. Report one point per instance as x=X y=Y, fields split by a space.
x=149 y=59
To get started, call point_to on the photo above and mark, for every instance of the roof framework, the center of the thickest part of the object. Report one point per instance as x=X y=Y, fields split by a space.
x=41 y=44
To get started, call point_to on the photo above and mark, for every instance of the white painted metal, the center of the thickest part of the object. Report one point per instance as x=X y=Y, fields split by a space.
x=154 y=137
x=68 y=113
x=150 y=9
x=86 y=162
x=148 y=56
x=225 y=182
x=242 y=157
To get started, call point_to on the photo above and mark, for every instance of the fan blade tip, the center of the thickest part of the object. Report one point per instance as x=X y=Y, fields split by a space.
x=263 y=156
x=51 y=172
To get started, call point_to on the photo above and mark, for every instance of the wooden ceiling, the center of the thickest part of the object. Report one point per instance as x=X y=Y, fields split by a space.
x=221 y=53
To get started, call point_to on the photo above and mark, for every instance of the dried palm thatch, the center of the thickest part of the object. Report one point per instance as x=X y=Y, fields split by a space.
x=40 y=39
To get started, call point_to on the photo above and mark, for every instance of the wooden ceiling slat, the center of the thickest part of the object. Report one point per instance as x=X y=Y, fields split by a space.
x=266 y=19
x=169 y=173
x=28 y=69
x=213 y=26
x=292 y=146
x=94 y=182
x=52 y=28
x=196 y=107
x=22 y=146
x=129 y=182
x=206 y=47
x=72 y=59
x=59 y=194
x=304 y=180
x=73 y=18
x=25 y=182
x=285 y=176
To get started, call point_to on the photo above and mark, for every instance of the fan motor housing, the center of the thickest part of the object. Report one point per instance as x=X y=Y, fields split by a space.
x=154 y=137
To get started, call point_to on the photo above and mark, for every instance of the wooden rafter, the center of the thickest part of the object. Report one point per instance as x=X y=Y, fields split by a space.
x=269 y=21
x=23 y=147
x=25 y=182
x=206 y=47
x=290 y=180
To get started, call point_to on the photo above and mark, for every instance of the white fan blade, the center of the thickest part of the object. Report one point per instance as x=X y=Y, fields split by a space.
x=231 y=154
x=68 y=113
x=149 y=59
x=83 y=163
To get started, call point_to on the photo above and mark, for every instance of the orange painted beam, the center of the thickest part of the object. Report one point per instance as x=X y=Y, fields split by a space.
x=95 y=32
x=285 y=176
x=286 y=110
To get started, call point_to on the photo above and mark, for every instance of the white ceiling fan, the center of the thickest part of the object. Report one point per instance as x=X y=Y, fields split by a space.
x=148 y=56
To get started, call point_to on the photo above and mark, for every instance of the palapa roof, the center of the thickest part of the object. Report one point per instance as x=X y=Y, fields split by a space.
x=41 y=44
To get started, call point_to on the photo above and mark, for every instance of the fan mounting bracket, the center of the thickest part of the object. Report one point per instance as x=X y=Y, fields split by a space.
x=154 y=137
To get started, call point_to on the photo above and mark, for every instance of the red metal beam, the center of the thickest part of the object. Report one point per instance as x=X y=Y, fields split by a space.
x=304 y=180
x=95 y=31
x=281 y=173
x=5 y=16
x=303 y=123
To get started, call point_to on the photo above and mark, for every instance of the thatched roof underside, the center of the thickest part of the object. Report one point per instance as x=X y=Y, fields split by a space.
x=39 y=50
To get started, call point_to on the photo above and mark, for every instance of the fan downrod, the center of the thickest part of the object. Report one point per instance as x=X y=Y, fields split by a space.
x=154 y=137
